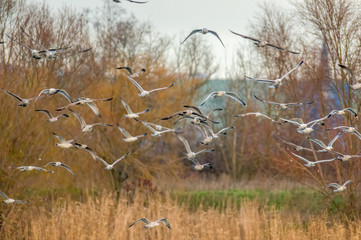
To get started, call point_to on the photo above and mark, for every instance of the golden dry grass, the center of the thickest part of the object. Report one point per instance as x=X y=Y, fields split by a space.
x=106 y=217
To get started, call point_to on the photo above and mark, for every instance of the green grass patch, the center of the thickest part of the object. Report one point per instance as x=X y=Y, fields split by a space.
x=305 y=200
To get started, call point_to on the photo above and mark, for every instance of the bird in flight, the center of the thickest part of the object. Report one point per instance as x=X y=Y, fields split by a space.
x=263 y=43
x=149 y=224
x=118 y=1
x=283 y=106
x=203 y=31
x=8 y=200
x=338 y=187
x=274 y=83
x=356 y=85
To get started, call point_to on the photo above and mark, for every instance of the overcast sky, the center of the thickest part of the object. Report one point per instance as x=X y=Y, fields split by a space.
x=175 y=17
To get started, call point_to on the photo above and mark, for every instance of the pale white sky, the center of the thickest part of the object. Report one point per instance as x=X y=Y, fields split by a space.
x=174 y=17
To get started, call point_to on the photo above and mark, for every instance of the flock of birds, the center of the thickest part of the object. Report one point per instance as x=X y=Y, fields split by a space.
x=193 y=114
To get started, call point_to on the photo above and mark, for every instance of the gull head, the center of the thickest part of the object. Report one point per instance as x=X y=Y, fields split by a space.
x=204 y=30
x=143 y=94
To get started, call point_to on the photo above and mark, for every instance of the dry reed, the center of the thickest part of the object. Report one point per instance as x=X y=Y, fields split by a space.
x=107 y=217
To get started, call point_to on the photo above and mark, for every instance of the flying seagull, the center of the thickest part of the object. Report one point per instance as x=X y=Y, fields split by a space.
x=87 y=127
x=310 y=163
x=191 y=155
x=111 y=166
x=257 y=114
x=149 y=224
x=344 y=157
x=59 y=164
x=201 y=114
x=283 y=106
x=356 y=85
x=130 y=71
x=31 y=168
x=23 y=101
x=62 y=142
x=274 y=83
x=144 y=93
x=155 y=132
x=203 y=31
x=34 y=52
x=51 y=118
x=118 y=1
x=339 y=188
x=52 y=91
x=343 y=112
x=326 y=148
x=8 y=200
x=303 y=127
x=232 y=95
x=351 y=130
x=198 y=166
x=295 y=146
x=262 y=43
x=87 y=101
x=128 y=137
x=131 y=114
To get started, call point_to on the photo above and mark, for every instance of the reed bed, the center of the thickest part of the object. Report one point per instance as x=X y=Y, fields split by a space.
x=108 y=217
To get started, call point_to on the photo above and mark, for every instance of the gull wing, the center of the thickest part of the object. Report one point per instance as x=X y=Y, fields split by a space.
x=196 y=109
x=42 y=169
x=357 y=134
x=19 y=201
x=136 y=84
x=44 y=111
x=261 y=80
x=272 y=45
x=126 y=68
x=210 y=95
x=261 y=99
x=80 y=118
x=4 y=195
x=22 y=44
x=162 y=88
x=143 y=219
x=334 y=139
x=145 y=111
x=349 y=71
x=350 y=110
x=136 y=1
x=347 y=182
x=326 y=160
x=65 y=94
x=302 y=158
x=246 y=37
x=193 y=32
x=292 y=70
x=297 y=104
x=115 y=162
x=236 y=97
x=215 y=34
x=335 y=185
x=11 y=94
x=185 y=142
x=223 y=131
x=91 y=151
x=124 y=132
x=95 y=109
x=147 y=125
x=313 y=122
x=103 y=161
x=319 y=142
x=60 y=138
x=290 y=121
x=164 y=221
x=204 y=150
